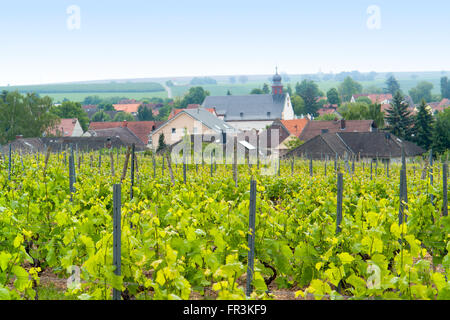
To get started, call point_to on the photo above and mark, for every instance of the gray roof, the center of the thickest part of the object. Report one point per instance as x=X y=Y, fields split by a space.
x=208 y=119
x=252 y=107
x=364 y=144
x=124 y=134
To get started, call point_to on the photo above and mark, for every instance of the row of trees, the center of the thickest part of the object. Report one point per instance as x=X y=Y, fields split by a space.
x=423 y=128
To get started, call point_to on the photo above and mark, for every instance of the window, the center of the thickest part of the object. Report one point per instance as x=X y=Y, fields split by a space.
x=174 y=130
x=268 y=114
x=242 y=114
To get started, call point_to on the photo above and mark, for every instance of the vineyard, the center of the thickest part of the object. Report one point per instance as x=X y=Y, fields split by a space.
x=184 y=231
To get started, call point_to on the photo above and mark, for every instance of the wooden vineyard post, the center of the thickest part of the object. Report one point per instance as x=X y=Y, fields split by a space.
x=310 y=166
x=184 y=167
x=335 y=163
x=325 y=165
x=154 y=166
x=403 y=191
x=371 y=165
x=133 y=159
x=251 y=237
x=340 y=189
x=100 y=160
x=235 y=164
x=169 y=165
x=376 y=166
x=211 y=165
x=292 y=165
x=72 y=178
x=117 y=252
x=162 y=167
x=125 y=165
x=111 y=158
x=445 y=190
x=47 y=157
x=9 y=163
x=431 y=175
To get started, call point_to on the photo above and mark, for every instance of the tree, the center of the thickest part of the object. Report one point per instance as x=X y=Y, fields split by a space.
x=423 y=127
x=333 y=96
x=399 y=118
x=161 y=143
x=326 y=117
x=364 y=99
x=91 y=100
x=293 y=143
x=298 y=105
x=26 y=115
x=105 y=106
x=309 y=91
x=145 y=113
x=445 y=88
x=101 y=116
x=441 y=132
x=421 y=92
x=348 y=88
x=123 y=116
x=195 y=95
x=266 y=88
x=70 y=109
x=229 y=93
x=392 y=85
x=354 y=111
x=256 y=91
x=289 y=89
x=375 y=114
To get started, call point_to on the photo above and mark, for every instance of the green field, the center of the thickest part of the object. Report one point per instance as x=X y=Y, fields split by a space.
x=79 y=96
x=148 y=89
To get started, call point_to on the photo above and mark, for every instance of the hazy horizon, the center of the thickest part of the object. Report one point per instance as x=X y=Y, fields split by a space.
x=80 y=40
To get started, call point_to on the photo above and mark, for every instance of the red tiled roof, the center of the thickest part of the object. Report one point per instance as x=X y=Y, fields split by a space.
x=295 y=126
x=314 y=128
x=141 y=129
x=444 y=103
x=64 y=128
x=375 y=98
x=127 y=107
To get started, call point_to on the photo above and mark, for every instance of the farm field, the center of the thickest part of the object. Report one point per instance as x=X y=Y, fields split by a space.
x=80 y=96
x=190 y=240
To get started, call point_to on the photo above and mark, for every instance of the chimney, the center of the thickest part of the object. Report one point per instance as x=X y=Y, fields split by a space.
x=125 y=124
x=342 y=124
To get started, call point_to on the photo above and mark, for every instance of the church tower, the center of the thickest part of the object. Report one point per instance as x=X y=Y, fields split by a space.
x=277 y=87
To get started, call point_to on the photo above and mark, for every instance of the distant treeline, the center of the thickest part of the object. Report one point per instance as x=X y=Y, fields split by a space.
x=89 y=88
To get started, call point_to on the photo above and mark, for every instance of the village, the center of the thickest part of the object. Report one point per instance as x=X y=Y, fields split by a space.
x=328 y=135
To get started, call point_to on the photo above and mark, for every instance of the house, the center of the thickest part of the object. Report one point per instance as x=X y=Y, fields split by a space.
x=329 y=109
x=286 y=129
x=66 y=128
x=189 y=121
x=315 y=128
x=381 y=145
x=141 y=129
x=131 y=108
x=123 y=133
x=254 y=111
x=374 y=98
x=174 y=112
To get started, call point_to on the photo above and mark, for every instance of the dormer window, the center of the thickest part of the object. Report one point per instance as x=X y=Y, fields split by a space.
x=242 y=114
x=268 y=114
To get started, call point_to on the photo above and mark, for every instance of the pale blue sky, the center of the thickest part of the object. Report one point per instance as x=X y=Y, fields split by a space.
x=139 y=39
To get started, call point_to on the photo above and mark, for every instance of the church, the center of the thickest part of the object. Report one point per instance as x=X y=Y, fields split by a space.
x=253 y=111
